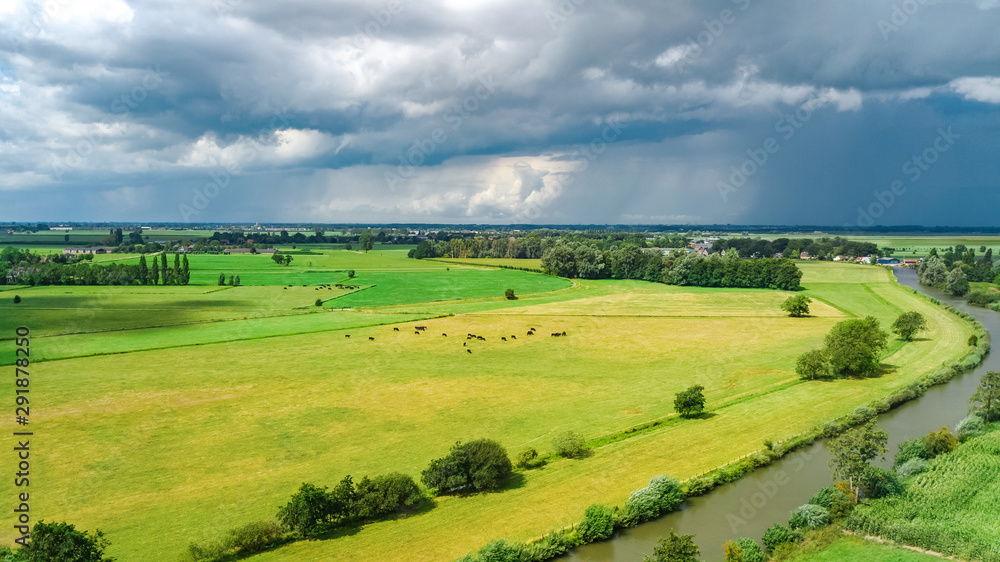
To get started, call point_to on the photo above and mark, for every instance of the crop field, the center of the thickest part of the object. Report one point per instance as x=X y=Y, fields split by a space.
x=854 y=548
x=952 y=508
x=170 y=414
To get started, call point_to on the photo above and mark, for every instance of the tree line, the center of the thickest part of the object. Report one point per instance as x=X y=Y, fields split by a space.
x=822 y=248
x=676 y=268
x=22 y=267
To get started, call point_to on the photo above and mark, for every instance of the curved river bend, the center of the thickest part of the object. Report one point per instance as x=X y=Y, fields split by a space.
x=750 y=505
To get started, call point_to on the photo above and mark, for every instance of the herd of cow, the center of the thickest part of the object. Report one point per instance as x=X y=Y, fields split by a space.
x=470 y=336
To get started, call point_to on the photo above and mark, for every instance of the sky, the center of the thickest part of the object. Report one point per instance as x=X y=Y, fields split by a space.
x=839 y=112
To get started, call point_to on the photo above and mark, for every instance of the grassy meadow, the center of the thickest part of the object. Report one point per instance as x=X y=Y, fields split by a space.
x=167 y=415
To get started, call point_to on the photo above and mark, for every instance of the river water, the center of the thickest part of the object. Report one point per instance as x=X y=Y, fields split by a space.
x=750 y=505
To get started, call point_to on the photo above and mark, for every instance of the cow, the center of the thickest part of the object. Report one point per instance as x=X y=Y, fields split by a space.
x=347 y=335
x=465 y=344
x=480 y=338
x=395 y=329
x=416 y=332
x=531 y=333
x=469 y=350
x=556 y=334
x=513 y=337
x=371 y=338
x=421 y=328
x=564 y=333
x=443 y=334
x=503 y=338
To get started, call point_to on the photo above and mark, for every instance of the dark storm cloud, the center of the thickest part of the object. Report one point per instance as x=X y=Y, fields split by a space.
x=468 y=112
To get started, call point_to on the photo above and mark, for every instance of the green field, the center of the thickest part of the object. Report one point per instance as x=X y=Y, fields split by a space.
x=170 y=414
x=952 y=508
x=854 y=548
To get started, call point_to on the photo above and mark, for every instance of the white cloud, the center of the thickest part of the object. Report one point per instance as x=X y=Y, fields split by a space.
x=982 y=88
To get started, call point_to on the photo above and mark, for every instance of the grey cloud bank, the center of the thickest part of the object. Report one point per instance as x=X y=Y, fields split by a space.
x=400 y=111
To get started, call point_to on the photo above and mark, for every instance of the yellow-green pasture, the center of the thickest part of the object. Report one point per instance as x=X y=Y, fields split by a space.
x=161 y=446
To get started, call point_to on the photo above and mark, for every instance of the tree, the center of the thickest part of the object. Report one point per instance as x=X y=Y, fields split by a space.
x=691 y=402
x=155 y=271
x=750 y=550
x=908 y=324
x=237 y=283
x=509 y=293
x=288 y=259
x=17 y=299
x=957 y=282
x=386 y=495
x=853 y=346
x=308 y=510
x=319 y=302
x=278 y=258
x=478 y=465
x=347 y=246
x=932 y=271
x=526 y=458
x=163 y=268
x=796 y=306
x=986 y=400
x=232 y=281
x=809 y=516
x=222 y=279
x=732 y=552
x=570 y=445
x=143 y=270
x=940 y=442
x=813 y=365
x=852 y=452
x=777 y=535
x=350 y=274
x=973 y=340
x=185 y=271
x=365 y=240
x=675 y=548
x=62 y=542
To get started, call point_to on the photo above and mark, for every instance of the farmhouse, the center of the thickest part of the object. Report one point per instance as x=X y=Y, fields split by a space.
x=888 y=261
x=94 y=250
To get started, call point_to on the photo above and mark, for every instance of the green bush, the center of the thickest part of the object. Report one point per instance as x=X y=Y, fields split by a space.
x=835 y=501
x=526 y=458
x=912 y=449
x=751 y=550
x=982 y=297
x=570 y=445
x=972 y=426
x=387 y=494
x=501 y=550
x=598 y=523
x=878 y=482
x=478 y=465
x=940 y=442
x=809 y=516
x=911 y=467
x=307 y=511
x=699 y=485
x=861 y=414
x=663 y=494
x=254 y=537
x=777 y=535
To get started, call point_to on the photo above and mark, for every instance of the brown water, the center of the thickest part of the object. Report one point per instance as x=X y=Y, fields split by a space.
x=767 y=496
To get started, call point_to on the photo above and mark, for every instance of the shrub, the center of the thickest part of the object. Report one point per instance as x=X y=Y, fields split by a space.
x=570 y=445
x=598 y=523
x=17 y=299
x=878 y=482
x=911 y=467
x=319 y=302
x=982 y=297
x=675 y=548
x=835 y=501
x=813 y=364
x=307 y=510
x=777 y=535
x=969 y=427
x=861 y=414
x=526 y=458
x=912 y=449
x=501 y=550
x=881 y=405
x=809 y=516
x=207 y=552
x=760 y=459
x=254 y=537
x=350 y=274
x=940 y=442
x=699 y=485
x=973 y=340
x=509 y=293
x=751 y=550
x=386 y=495
x=832 y=429
x=663 y=494
x=478 y=465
